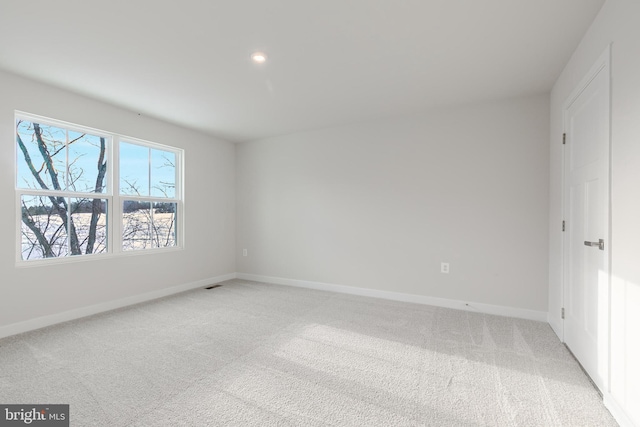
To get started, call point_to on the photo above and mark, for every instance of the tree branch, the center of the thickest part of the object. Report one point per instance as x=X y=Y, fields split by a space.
x=42 y=240
x=96 y=208
x=65 y=146
x=60 y=204
x=27 y=159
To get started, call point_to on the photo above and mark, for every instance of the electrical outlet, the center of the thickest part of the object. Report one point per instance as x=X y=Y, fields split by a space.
x=444 y=267
x=244 y=252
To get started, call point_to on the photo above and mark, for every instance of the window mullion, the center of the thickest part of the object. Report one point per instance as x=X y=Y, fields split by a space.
x=151 y=229
x=149 y=173
x=66 y=161
x=115 y=219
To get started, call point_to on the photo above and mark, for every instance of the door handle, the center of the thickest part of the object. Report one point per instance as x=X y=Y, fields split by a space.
x=599 y=244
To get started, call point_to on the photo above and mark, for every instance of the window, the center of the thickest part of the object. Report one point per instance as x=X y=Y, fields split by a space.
x=148 y=189
x=86 y=192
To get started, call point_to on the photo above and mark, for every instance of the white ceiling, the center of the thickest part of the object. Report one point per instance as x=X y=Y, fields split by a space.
x=331 y=62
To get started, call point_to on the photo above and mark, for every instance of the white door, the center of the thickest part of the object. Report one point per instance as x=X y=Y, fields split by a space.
x=586 y=237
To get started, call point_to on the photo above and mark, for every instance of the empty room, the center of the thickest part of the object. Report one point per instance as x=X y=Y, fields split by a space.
x=320 y=213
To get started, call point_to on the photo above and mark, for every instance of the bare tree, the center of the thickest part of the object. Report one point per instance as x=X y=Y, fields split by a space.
x=47 y=232
x=149 y=223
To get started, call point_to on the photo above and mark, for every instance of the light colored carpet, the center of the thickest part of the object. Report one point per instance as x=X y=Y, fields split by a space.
x=252 y=354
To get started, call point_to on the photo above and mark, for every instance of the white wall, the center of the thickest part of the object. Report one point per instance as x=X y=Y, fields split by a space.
x=617 y=23
x=379 y=205
x=28 y=293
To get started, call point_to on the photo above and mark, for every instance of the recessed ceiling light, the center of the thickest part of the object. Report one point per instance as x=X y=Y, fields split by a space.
x=258 y=57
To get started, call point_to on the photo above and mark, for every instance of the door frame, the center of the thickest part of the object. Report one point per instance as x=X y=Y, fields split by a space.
x=602 y=64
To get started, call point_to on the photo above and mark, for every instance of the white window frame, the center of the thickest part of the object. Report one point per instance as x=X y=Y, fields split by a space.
x=177 y=199
x=112 y=194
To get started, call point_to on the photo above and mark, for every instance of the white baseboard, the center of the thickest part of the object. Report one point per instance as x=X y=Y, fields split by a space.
x=499 y=310
x=41 y=322
x=617 y=411
x=556 y=325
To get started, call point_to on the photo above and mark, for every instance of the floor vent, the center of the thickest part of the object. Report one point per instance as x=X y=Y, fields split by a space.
x=214 y=286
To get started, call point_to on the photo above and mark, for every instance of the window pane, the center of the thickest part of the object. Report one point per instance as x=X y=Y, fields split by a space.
x=42 y=156
x=87 y=162
x=44 y=233
x=163 y=173
x=136 y=225
x=164 y=225
x=89 y=221
x=134 y=169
